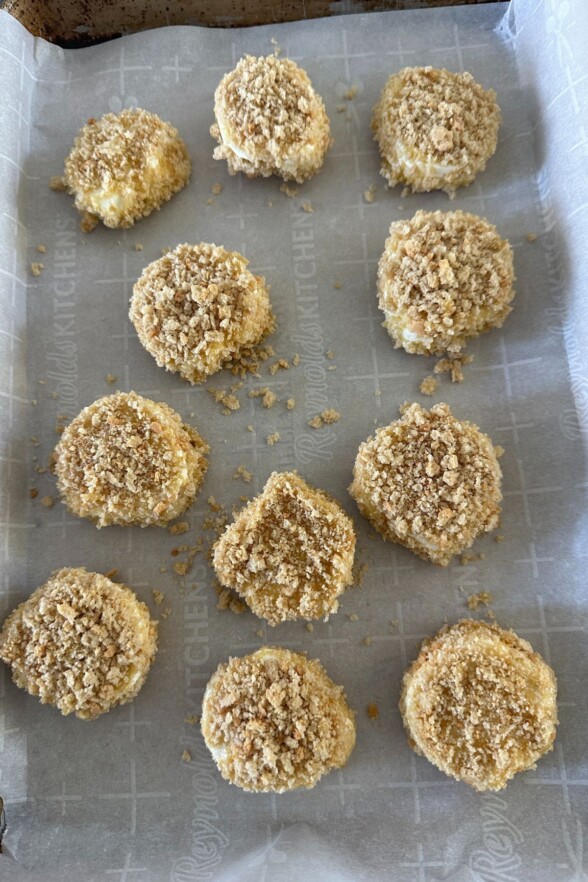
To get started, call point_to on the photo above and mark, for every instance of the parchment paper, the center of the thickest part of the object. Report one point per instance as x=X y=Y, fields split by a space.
x=112 y=799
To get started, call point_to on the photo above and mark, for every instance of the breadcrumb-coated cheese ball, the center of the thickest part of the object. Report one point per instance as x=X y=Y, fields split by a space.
x=269 y=120
x=274 y=721
x=479 y=704
x=429 y=481
x=435 y=129
x=80 y=642
x=443 y=278
x=131 y=461
x=198 y=307
x=123 y=166
x=289 y=553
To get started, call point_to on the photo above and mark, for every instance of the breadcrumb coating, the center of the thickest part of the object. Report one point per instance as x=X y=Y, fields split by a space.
x=80 y=642
x=435 y=129
x=198 y=307
x=124 y=166
x=289 y=553
x=130 y=461
x=429 y=481
x=443 y=278
x=269 y=120
x=275 y=721
x=479 y=704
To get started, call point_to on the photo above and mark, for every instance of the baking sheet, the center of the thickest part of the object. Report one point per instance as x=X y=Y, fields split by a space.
x=111 y=799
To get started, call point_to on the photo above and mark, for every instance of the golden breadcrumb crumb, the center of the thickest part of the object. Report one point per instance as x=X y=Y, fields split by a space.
x=48 y=501
x=124 y=166
x=289 y=552
x=269 y=120
x=274 y=721
x=475 y=601
x=429 y=481
x=241 y=472
x=479 y=704
x=273 y=438
x=454 y=366
x=80 y=642
x=158 y=596
x=531 y=237
x=290 y=403
x=57 y=184
x=198 y=307
x=37 y=268
x=435 y=129
x=268 y=398
x=325 y=418
x=443 y=278
x=42 y=249
x=429 y=385
x=128 y=460
x=180 y=527
x=350 y=94
x=307 y=207
x=373 y=711
x=110 y=379
x=186 y=756
x=370 y=194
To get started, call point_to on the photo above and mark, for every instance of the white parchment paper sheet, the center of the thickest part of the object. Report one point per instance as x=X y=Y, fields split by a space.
x=111 y=799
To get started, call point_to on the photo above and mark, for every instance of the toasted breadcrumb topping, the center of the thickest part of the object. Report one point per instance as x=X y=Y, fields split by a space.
x=124 y=166
x=429 y=481
x=80 y=642
x=198 y=307
x=269 y=120
x=435 y=129
x=443 y=278
x=479 y=704
x=128 y=460
x=289 y=553
x=275 y=721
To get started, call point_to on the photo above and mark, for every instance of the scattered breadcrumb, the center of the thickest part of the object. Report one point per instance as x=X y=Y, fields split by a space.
x=499 y=538
x=158 y=596
x=250 y=428
x=351 y=93
x=291 y=403
x=166 y=613
x=42 y=249
x=337 y=284
x=429 y=385
x=325 y=418
x=367 y=641
x=33 y=492
x=330 y=354
x=296 y=359
x=309 y=626
x=48 y=501
x=282 y=364
x=229 y=401
x=181 y=567
x=373 y=711
x=359 y=571
x=228 y=600
x=268 y=397
x=482 y=598
x=241 y=472
x=454 y=366
x=181 y=527
x=138 y=246
x=307 y=207
x=370 y=194
x=37 y=268
x=192 y=719
x=186 y=756
x=217 y=188
x=290 y=192
x=341 y=108
x=530 y=237
x=57 y=184
x=273 y=438
x=259 y=633
x=110 y=379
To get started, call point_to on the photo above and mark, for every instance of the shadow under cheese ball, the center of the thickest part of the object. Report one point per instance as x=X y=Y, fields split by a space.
x=479 y=704
x=443 y=278
x=435 y=129
x=131 y=461
x=270 y=120
x=429 y=481
x=124 y=166
x=275 y=721
x=80 y=642
x=289 y=552
x=198 y=307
